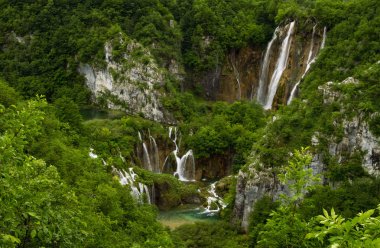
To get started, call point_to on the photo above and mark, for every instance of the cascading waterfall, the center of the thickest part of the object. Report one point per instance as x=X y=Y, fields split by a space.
x=280 y=67
x=310 y=60
x=261 y=93
x=150 y=156
x=214 y=202
x=139 y=192
x=186 y=164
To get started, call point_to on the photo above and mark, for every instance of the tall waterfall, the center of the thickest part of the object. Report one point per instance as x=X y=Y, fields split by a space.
x=150 y=156
x=261 y=93
x=324 y=38
x=186 y=164
x=310 y=60
x=237 y=76
x=155 y=161
x=146 y=158
x=280 y=67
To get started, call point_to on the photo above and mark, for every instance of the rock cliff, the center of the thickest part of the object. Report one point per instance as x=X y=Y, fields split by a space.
x=258 y=179
x=128 y=80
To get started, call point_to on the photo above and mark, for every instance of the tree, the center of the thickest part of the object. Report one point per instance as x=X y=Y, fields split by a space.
x=361 y=231
x=286 y=228
x=36 y=207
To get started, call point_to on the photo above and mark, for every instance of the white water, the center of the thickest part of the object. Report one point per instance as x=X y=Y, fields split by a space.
x=264 y=70
x=324 y=38
x=155 y=160
x=310 y=60
x=146 y=158
x=139 y=192
x=185 y=165
x=280 y=67
x=213 y=200
x=237 y=77
x=92 y=154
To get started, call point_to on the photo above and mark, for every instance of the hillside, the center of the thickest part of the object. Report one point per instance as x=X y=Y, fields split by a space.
x=255 y=116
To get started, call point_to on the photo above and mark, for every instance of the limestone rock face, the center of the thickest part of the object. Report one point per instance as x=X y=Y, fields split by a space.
x=251 y=187
x=357 y=136
x=128 y=80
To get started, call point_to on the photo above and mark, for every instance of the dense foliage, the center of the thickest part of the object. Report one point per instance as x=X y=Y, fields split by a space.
x=52 y=194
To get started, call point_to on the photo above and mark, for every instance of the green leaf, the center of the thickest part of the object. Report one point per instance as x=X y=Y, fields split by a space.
x=33 y=233
x=10 y=238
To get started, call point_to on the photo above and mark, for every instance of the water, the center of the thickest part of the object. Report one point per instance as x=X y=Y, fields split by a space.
x=92 y=154
x=146 y=158
x=310 y=60
x=261 y=93
x=184 y=215
x=90 y=113
x=237 y=77
x=280 y=67
x=324 y=38
x=186 y=164
x=214 y=202
x=139 y=191
x=155 y=160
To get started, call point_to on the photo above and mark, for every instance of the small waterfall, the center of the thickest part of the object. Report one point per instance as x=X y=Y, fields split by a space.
x=146 y=158
x=324 y=38
x=154 y=159
x=121 y=157
x=237 y=76
x=92 y=154
x=139 y=192
x=280 y=67
x=261 y=93
x=186 y=164
x=150 y=156
x=310 y=60
x=214 y=202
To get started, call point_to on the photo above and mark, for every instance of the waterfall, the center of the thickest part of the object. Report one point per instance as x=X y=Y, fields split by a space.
x=139 y=192
x=146 y=158
x=280 y=67
x=92 y=154
x=237 y=76
x=155 y=159
x=150 y=156
x=264 y=70
x=213 y=200
x=324 y=38
x=186 y=164
x=121 y=157
x=310 y=60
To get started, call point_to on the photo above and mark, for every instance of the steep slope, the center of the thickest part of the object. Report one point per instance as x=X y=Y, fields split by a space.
x=338 y=119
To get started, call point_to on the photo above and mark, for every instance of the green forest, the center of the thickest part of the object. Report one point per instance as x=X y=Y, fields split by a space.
x=302 y=174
